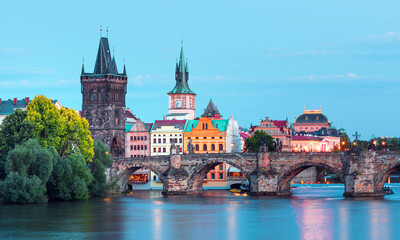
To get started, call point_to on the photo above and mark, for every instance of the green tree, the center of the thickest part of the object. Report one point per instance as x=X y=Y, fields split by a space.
x=101 y=160
x=70 y=178
x=17 y=188
x=62 y=129
x=345 y=142
x=28 y=167
x=252 y=143
x=14 y=130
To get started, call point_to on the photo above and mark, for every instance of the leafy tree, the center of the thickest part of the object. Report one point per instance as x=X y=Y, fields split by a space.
x=70 y=178
x=14 y=130
x=30 y=159
x=28 y=168
x=252 y=143
x=62 y=129
x=17 y=188
x=101 y=160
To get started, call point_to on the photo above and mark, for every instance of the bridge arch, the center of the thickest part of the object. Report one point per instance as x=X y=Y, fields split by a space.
x=132 y=168
x=195 y=180
x=285 y=178
x=383 y=176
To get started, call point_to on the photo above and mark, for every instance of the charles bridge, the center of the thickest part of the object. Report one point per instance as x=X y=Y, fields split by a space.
x=269 y=173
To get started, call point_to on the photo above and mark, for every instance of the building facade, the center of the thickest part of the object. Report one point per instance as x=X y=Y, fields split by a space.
x=164 y=133
x=278 y=129
x=137 y=140
x=103 y=100
x=181 y=99
x=311 y=121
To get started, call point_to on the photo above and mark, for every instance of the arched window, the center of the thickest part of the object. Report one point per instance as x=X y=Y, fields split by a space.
x=116 y=118
x=221 y=147
x=205 y=147
x=197 y=147
x=212 y=147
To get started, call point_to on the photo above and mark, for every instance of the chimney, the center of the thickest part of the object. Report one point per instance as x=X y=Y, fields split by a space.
x=15 y=101
x=27 y=100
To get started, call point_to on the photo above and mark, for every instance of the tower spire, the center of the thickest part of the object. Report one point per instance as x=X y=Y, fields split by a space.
x=83 y=66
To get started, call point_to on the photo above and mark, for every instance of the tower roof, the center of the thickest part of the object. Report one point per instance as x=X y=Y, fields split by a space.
x=211 y=110
x=104 y=63
x=181 y=75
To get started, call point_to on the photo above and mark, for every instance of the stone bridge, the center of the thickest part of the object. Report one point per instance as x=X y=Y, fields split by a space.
x=269 y=173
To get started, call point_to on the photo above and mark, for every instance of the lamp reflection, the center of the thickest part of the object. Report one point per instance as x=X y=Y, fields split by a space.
x=157 y=224
x=232 y=210
x=379 y=217
x=314 y=221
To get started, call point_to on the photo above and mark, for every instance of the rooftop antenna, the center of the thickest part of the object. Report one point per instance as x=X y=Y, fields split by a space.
x=101 y=31
x=83 y=60
x=107 y=32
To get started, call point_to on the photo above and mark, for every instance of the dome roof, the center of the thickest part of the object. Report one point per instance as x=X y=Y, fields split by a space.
x=312 y=116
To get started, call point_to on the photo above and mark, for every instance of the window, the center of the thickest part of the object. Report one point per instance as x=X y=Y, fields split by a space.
x=145 y=147
x=189 y=138
x=221 y=176
x=164 y=140
x=205 y=147
x=154 y=140
x=134 y=147
x=221 y=167
x=212 y=175
x=197 y=147
x=145 y=138
x=159 y=140
x=154 y=178
x=221 y=147
x=204 y=137
x=212 y=147
x=131 y=147
x=141 y=147
x=131 y=138
x=197 y=137
x=134 y=138
x=154 y=150
x=164 y=149
x=180 y=140
x=159 y=149
x=131 y=155
x=212 y=137
x=141 y=138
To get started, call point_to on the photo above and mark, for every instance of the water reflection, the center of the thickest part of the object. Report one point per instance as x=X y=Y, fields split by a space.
x=311 y=213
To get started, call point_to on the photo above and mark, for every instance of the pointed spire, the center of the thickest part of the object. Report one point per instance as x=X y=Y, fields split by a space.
x=124 y=73
x=83 y=66
x=211 y=110
x=181 y=75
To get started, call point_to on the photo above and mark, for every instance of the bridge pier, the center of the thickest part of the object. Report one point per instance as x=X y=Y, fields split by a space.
x=176 y=178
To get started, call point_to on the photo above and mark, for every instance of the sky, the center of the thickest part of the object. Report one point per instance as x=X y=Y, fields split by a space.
x=254 y=59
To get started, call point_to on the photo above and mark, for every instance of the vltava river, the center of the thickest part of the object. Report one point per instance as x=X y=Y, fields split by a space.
x=313 y=212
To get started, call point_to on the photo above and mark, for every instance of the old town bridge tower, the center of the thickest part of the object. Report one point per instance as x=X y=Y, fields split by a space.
x=103 y=100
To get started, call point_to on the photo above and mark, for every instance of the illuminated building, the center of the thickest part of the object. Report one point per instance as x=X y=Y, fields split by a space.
x=278 y=129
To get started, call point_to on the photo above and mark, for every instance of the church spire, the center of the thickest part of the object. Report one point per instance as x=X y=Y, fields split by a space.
x=181 y=75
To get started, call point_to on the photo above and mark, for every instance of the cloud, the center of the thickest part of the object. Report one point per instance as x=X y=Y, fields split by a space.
x=12 y=51
x=315 y=78
x=386 y=37
x=139 y=80
x=352 y=75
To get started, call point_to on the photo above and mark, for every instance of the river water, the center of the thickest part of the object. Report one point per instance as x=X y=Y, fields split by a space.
x=312 y=212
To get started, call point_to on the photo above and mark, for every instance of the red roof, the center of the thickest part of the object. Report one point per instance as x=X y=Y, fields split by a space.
x=128 y=114
x=305 y=138
x=244 y=135
x=281 y=124
x=176 y=123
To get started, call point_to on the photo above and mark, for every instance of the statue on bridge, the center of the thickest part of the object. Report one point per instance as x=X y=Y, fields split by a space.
x=191 y=147
x=278 y=145
x=262 y=146
x=174 y=148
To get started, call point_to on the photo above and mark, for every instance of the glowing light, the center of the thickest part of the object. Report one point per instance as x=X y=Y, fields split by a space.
x=389 y=180
x=343 y=143
x=302 y=182
x=354 y=143
x=383 y=143
x=374 y=142
x=244 y=195
x=107 y=153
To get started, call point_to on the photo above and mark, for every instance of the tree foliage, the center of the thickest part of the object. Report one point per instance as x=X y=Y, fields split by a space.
x=252 y=143
x=70 y=178
x=15 y=129
x=101 y=160
x=62 y=129
x=28 y=168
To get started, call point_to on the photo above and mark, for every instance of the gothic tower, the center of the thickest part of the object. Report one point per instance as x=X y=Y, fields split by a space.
x=181 y=98
x=103 y=100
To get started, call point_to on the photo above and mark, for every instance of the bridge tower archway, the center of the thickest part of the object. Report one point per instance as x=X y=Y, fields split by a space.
x=125 y=174
x=383 y=176
x=287 y=175
x=195 y=180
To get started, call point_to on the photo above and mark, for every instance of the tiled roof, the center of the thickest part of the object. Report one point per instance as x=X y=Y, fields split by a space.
x=129 y=114
x=305 y=138
x=148 y=126
x=281 y=124
x=211 y=110
x=244 y=135
x=311 y=118
x=7 y=106
x=128 y=127
x=180 y=124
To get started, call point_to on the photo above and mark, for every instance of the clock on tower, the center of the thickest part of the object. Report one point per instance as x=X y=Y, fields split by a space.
x=181 y=98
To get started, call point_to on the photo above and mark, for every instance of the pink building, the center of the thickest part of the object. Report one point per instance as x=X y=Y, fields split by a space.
x=278 y=129
x=137 y=140
x=311 y=121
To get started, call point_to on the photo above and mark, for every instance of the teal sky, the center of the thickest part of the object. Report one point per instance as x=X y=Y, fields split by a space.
x=253 y=58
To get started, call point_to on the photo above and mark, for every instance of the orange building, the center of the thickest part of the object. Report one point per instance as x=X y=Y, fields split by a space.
x=208 y=136
x=278 y=130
